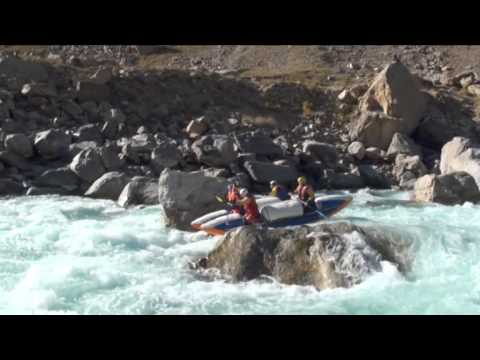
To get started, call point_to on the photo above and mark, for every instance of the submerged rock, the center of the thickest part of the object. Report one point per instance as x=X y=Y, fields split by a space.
x=324 y=256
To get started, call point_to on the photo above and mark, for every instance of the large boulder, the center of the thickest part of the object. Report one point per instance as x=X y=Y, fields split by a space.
x=215 y=150
x=325 y=256
x=166 y=155
x=139 y=191
x=402 y=144
x=10 y=187
x=52 y=144
x=108 y=186
x=19 y=144
x=58 y=178
x=461 y=154
x=393 y=103
x=451 y=189
x=88 y=165
x=326 y=153
x=187 y=196
x=264 y=172
x=257 y=143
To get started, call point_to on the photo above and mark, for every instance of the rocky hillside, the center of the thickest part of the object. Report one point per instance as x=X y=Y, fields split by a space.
x=106 y=121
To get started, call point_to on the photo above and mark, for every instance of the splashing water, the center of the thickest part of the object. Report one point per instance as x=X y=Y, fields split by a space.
x=68 y=255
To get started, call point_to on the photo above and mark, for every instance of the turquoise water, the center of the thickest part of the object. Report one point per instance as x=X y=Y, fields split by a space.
x=66 y=255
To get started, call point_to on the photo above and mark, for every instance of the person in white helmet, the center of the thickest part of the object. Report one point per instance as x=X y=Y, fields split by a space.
x=250 y=207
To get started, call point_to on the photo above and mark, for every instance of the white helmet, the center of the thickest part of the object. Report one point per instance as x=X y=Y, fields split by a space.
x=273 y=183
x=243 y=192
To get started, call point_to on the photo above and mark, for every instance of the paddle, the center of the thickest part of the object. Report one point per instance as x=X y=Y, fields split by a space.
x=223 y=201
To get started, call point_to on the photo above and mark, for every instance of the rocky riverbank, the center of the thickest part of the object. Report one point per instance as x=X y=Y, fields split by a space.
x=91 y=121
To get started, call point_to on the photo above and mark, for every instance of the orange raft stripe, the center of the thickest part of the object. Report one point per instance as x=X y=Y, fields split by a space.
x=195 y=226
x=214 y=232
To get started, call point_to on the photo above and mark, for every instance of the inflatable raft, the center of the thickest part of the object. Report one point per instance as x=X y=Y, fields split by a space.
x=275 y=213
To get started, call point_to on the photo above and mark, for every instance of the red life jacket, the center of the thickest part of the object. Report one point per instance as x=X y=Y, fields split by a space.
x=233 y=196
x=303 y=192
x=252 y=215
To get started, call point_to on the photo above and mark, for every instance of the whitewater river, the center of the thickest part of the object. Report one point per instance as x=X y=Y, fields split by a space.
x=67 y=255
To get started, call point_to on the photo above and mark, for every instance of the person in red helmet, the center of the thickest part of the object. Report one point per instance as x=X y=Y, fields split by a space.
x=250 y=207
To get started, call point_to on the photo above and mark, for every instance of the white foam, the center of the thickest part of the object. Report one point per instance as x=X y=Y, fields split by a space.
x=78 y=256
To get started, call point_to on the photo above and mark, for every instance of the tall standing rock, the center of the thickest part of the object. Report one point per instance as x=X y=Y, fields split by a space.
x=398 y=103
x=187 y=196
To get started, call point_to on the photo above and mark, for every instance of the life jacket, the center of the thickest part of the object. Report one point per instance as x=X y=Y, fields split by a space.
x=252 y=215
x=281 y=193
x=232 y=197
x=303 y=192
